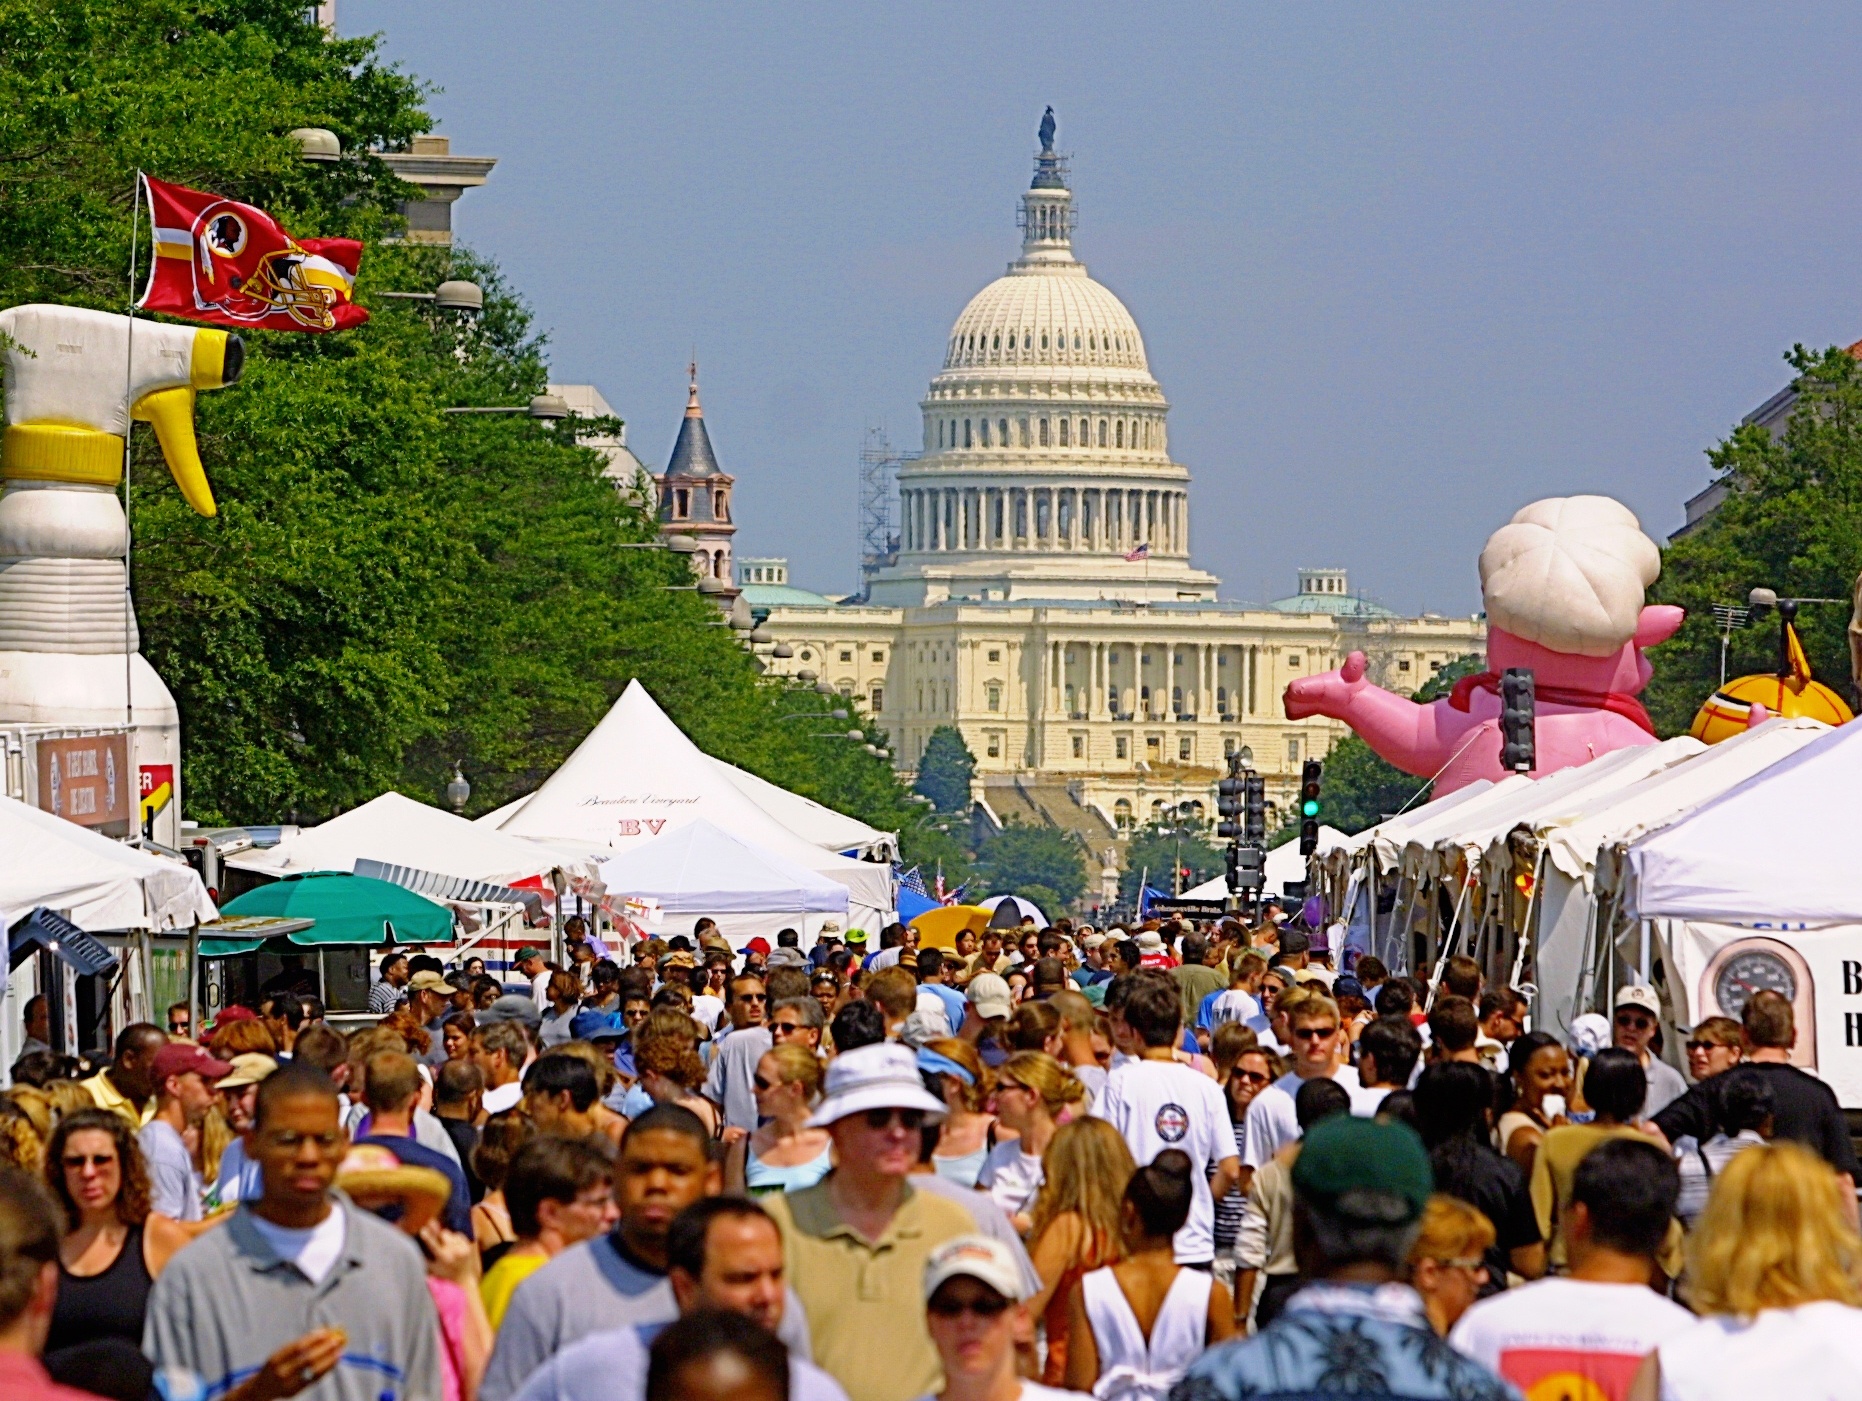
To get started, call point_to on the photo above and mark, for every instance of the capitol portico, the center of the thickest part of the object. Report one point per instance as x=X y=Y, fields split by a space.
x=1042 y=599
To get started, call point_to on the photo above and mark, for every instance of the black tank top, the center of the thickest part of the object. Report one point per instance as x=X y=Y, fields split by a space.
x=106 y=1305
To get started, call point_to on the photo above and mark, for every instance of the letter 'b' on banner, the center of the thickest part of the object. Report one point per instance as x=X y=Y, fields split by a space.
x=228 y=263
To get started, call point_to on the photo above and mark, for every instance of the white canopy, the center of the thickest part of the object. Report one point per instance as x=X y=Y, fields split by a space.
x=812 y=821
x=401 y=831
x=1779 y=848
x=1284 y=864
x=636 y=776
x=97 y=883
x=699 y=869
x=1387 y=839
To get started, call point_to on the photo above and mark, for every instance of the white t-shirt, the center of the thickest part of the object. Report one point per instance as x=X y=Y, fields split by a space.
x=707 y=1010
x=540 y=989
x=1158 y=1104
x=1590 y=1337
x=1011 y=1177
x=174 y=1185
x=1238 y=1005
x=1272 y=1123
x=313 y=1249
x=1810 y=1353
x=502 y=1097
x=1094 y=1078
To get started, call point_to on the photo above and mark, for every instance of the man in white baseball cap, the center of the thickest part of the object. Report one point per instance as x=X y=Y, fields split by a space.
x=1633 y=1028
x=856 y=1243
x=974 y=1311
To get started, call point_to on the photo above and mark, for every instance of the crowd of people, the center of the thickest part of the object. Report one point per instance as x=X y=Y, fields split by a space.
x=1198 y=1163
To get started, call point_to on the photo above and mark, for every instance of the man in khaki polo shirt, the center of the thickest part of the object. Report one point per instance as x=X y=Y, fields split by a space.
x=127 y=1085
x=857 y=1242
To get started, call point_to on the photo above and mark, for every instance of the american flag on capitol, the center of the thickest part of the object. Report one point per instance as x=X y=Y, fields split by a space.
x=1142 y=552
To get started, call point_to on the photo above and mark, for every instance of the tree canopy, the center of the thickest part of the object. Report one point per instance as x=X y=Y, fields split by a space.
x=945 y=770
x=1159 y=847
x=388 y=589
x=1021 y=857
x=1792 y=522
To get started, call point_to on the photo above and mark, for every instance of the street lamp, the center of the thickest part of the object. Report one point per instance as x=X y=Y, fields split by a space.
x=709 y=585
x=455 y=294
x=458 y=791
x=783 y=651
x=317 y=144
x=761 y=634
x=543 y=407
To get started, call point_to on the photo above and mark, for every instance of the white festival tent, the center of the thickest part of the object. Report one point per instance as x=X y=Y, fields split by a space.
x=1760 y=888
x=812 y=821
x=636 y=775
x=699 y=869
x=396 y=830
x=1284 y=865
x=96 y=883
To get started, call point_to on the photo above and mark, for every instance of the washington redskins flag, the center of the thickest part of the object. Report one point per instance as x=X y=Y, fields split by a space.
x=222 y=261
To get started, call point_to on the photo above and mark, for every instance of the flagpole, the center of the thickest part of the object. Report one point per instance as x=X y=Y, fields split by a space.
x=129 y=604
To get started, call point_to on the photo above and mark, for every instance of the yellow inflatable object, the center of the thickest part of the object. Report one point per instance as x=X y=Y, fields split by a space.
x=1728 y=710
x=939 y=928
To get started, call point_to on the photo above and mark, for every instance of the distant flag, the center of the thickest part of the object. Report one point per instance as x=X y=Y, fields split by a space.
x=1142 y=552
x=914 y=882
x=234 y=265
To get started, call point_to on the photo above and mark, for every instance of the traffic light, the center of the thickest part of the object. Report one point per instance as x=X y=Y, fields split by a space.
x=1228 y=805
x=1254 y=827
x=1310 y=775
x=1516 y=747
x=1249 y=864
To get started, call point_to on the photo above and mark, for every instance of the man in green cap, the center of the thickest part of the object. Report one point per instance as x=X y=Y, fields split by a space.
x=1359 y=1189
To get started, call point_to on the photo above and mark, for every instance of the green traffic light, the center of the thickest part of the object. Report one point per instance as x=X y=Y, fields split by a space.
x=1310 y=808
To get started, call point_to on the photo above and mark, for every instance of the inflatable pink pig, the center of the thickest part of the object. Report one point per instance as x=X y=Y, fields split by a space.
x=1564 y=584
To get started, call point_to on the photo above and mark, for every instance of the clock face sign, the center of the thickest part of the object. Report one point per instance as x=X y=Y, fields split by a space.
x=1749 y=971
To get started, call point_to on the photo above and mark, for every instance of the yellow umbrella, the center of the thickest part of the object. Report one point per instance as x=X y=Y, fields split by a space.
x=939 y=928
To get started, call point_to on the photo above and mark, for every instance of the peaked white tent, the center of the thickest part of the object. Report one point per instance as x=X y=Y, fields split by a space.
x=97 y=883
x=812 y=821
x=700 y=869
x=636 y=776
x=401 y=831
x=1284 y=864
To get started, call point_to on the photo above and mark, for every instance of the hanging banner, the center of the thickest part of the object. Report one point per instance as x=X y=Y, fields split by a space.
x=86 y=781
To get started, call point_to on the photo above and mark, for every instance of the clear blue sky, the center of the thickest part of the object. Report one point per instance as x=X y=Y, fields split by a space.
x=1400 y=269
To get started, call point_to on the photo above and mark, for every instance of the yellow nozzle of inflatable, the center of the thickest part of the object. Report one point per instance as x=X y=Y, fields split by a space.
x=216 y=360
x=171 y=413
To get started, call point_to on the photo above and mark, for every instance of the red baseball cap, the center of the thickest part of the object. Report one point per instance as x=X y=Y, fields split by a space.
x=179 y=1057
x=758 y=945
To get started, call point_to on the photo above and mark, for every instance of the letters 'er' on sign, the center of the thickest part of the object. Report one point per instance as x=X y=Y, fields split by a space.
x=87 y=781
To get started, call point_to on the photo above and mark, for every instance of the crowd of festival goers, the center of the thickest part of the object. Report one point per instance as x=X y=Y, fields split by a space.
x=1190 y=1162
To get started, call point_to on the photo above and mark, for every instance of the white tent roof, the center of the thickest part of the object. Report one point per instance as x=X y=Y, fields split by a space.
x=98 y=883
x=1623 y=816
x=1778 y=848
x=699 y=869
x=636 y=776
x=402 y=831
x=1387 y=837
x=1284 y=863
x=812 y=821
x=1406 y=844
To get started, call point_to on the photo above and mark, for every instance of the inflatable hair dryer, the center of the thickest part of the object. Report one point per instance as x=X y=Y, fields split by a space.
x=75 y=379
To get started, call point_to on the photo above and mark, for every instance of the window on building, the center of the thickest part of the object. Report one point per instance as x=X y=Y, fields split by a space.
x=846 y=654
x=1063 y=431
x=1293 y=750
x=1079 y=746
x=1403 y=665
x=879 y=656
x=994 y=749
x=1102 y=432
x=681 y=503
x=1002 y=431
x=1293 y=658
x=1434 y=667
x=721 y=505
x=982 y=429
x=1122 y=747
x=1118 y=433
x=992 y=696
x=1221 y=700
x=1228 y=746
x=1121 y=814
x=966 y=432
x=807 y=656
x=1044 y=432
x=1176 y=700
x=1184 y=743
x=876 y=698
x=846 y=686
x=1154 y=746
x=995 y=654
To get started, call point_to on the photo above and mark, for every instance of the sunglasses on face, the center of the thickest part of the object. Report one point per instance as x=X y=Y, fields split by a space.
x=786 y=1028
x=177 y=1028
x=1254 y=1077
x=1313 y=1033
x=78 y=1161
x=752 y=997
x=765 y=1086
x=993 y=1306
x=1003 y=1086
x=291 y=1141
x=912 y=1119
x=1632 y=1022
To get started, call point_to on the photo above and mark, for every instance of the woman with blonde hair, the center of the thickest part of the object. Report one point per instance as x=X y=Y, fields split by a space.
x=1447 y=1264
x=1775 y=1268
x=783 y=1154
x=955 y=1073
x=1032 y=1091
x=1075 y=1222
x=666 y=1058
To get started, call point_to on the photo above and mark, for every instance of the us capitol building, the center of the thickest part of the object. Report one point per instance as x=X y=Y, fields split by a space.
x=1042 y=598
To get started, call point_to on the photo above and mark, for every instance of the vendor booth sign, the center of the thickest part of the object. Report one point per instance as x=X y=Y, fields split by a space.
x=86 y=781
x=1718 y=967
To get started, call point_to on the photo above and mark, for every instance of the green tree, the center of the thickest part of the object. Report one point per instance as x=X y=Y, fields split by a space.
x=1791 y=521
x=945 y=771
x=1020 y=857
x=1159 y=847
x=1360 y=787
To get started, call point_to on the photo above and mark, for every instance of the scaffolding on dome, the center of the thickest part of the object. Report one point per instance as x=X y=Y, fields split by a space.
x=879 y=536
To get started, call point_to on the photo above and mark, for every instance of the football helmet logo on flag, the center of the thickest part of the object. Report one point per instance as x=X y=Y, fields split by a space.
x=222 y=261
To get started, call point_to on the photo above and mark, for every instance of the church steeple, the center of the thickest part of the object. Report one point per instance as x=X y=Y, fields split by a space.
x=692 y=410
x=1046 y=215
x=695 y=492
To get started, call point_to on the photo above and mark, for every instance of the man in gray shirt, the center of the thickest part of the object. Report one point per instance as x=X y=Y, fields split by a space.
x=1638 y=1014
x=731 y=1083
x=299 y=1285
x=183 y=1075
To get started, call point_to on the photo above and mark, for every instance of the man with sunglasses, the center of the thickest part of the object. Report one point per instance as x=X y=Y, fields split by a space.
x=728 y=1085
x=974 y=1311
x=798 y=1019
x=1313 y=1032
x=857 y=1243
x=1638 y=1014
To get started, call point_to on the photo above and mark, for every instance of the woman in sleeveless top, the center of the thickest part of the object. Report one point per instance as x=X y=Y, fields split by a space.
x=108 y=1262
x=1135 y=1327
x=1076 y=1223
x=968 y=1132
x=503 y=1135
x=783 y=1154
x=1540 y=1069
x=671 y=1072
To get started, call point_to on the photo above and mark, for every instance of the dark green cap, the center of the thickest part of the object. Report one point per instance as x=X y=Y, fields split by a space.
x=527 y=952
x=1345 y=1163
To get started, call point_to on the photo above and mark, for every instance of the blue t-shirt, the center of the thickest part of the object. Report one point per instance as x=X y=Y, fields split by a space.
x=457 y=1214
x=953 y=1002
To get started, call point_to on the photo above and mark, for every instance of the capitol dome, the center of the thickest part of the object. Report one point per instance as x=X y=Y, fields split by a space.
x=1046 y=470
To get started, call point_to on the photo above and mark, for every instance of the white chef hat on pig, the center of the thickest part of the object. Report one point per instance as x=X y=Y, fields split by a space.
x=1568 y=573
